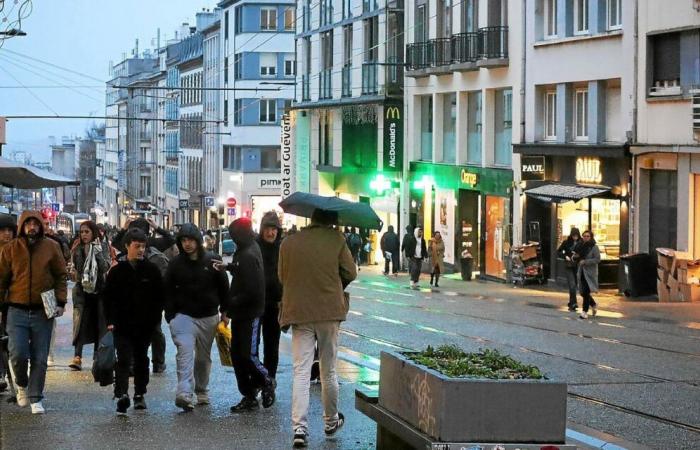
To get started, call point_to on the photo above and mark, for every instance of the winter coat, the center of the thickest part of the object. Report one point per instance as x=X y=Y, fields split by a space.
x=588 y=267
x=247 y=294
x=194 y=287
x=567 y=249
x=88 y=310
x=409 y=246
x=315 y=266
x=28 y=270
x=156 y=257
x=134 y=297
x=390 y=242
x=270 y=255
x=437 y=254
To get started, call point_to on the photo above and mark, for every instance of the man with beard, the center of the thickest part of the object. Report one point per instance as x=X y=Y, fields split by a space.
x=30 y=266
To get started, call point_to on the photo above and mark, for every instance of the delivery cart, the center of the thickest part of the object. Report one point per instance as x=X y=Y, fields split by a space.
x=526 y=264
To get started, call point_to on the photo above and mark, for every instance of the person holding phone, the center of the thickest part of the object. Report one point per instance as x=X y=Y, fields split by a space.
x=196 y=292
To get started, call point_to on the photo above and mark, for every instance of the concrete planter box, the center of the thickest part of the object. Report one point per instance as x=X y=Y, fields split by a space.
x=472 y=410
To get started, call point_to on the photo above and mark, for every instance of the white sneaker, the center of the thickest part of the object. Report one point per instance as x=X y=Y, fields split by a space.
x=49 y=361
x=22 y=399
x=583 y=315
x=38 y=408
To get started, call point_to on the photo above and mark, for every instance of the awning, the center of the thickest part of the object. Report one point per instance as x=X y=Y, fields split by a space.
x=20 y=176
x=561 y=193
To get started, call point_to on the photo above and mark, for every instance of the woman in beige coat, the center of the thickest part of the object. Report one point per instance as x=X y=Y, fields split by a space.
x=436 y=250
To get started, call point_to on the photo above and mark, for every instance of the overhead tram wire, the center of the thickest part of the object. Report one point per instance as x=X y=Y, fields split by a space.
x=59 y=116
x=53 y=65
x=30 y=91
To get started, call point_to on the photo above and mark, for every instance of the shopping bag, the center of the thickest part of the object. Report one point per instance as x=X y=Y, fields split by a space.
x=105 y=361
x=223 y=343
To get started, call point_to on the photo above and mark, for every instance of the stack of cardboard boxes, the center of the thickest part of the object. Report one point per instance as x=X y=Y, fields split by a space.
x=678 y=277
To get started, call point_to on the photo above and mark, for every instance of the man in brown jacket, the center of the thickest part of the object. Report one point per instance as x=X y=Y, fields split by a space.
x=314 y=268
x=30 y=265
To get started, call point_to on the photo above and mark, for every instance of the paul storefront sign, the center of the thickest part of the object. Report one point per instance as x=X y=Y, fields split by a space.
x=588 y=171
x=532 y=168
x=393 y=137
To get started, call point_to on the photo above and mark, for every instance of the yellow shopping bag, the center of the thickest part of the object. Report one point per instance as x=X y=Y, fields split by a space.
x=223 y=343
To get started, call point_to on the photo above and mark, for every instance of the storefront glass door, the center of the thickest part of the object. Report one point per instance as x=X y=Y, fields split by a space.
x=496 y=236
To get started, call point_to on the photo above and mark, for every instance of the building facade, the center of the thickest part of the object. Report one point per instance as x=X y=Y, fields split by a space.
x=666 y=194
x=65 y=160
x=575 y=163
x=258 y=67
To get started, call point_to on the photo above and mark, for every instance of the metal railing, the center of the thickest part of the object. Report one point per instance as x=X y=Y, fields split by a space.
x=494 y=42
x=347 y=81
x=440 y=52
x=325 y=90
x=369 y=79
x=305 y=88
x=417 y=55
x=465 y=47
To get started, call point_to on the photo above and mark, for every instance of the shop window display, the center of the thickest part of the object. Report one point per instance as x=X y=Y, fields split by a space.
x=605 y=222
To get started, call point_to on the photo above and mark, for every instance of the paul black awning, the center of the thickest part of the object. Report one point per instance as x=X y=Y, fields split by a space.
x=562 y=193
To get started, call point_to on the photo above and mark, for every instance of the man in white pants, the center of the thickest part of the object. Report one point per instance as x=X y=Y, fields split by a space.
x=195 y=295
x=314 y=268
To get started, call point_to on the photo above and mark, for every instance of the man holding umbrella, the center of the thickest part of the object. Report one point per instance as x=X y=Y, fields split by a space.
x=314 y=268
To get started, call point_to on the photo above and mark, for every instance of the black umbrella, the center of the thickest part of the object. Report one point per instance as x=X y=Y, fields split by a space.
x=350 y=214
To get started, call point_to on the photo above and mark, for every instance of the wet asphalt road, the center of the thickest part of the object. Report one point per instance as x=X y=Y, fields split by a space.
x=633 y=372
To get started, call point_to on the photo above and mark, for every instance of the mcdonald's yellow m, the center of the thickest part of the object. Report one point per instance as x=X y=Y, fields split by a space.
x=393 y=112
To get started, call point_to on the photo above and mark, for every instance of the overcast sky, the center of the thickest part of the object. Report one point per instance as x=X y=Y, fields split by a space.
x=84 y=36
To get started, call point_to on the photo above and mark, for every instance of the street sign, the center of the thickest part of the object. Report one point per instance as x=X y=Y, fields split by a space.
x=55 y=207
x=232 y=211
x=231 y=202
x=209 y=202
x=184 y=203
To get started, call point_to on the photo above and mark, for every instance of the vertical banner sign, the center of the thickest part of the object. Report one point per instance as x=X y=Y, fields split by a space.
x=303 y=152
x=393 y=137
x=445 y=221
x=288 y=168
x=121 y=169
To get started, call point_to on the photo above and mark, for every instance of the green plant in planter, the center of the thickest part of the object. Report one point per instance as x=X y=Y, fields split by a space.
x=452 y=361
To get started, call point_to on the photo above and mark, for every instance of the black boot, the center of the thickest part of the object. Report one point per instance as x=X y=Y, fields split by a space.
x=432 y=276
x=437 y=277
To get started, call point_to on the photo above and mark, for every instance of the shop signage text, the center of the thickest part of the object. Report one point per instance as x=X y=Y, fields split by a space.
x=469 y=178
x=588 y=171
x=184 y=203
x=393 y=137
x=288 y=181
x=269 y=183
x=532 y=168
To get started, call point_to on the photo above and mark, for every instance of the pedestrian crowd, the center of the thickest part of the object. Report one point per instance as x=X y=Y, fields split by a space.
x=126 y=281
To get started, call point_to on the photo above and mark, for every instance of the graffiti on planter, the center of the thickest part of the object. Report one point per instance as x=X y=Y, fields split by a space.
x=420 y=389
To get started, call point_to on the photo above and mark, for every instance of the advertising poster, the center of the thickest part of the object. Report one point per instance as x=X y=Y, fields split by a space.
x=445 y=220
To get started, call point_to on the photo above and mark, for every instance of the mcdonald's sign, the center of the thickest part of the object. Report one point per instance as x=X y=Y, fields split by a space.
x=393 y=137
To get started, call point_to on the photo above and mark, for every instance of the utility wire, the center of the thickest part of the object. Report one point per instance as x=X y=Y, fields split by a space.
x=30 y=91
x=53 y=65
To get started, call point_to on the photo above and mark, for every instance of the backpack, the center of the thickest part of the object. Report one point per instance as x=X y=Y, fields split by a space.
x=158 y=258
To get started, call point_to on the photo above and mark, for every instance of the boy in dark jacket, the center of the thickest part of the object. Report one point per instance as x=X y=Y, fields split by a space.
x=134 y=305
x=195 y=294
x=246 y=306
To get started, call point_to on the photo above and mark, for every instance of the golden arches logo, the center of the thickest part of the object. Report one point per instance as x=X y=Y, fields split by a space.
x=393 y=112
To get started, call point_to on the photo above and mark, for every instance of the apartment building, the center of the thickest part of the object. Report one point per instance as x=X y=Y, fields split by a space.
x=575 y=164
x=258 y=67
x=462 y=95
x=666 y=151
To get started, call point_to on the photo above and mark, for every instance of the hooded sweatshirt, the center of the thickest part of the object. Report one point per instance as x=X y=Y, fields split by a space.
x=28 y=269
x=194 y=287
x=270 y=255
x=247 y=294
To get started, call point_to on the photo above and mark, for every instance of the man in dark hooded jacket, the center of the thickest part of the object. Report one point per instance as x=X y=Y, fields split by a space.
x=269 y=241
x=195 y=294
x=246 y=306
x=390 y=245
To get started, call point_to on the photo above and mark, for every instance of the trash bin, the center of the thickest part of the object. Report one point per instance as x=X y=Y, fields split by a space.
x=637 y=275
x=467 y=266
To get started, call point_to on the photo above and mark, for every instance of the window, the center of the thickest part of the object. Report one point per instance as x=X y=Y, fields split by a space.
x=268 y=111
x=580 y=16
x=237 y=111
x=371 y=27
x=289 y=19
x=474 y=127
x=670 y=69
x=290 y=68
x=614 y=14
x=225 y=112
x=470 y=18
x=226 y=25
x=426 y=132
x=270 y=159
x=347 y=9
x=550 y=18
x=268 y=19
x=504 y=127
x=237 y=66
x=327 y=50
x=268 y=64
x=232 y=157
x=581 y=114
x=550 y=115
x=226 y=69
x=421 y=26
x=326 y=12
x=306 y=15
x=347 y=45
x=238 y=20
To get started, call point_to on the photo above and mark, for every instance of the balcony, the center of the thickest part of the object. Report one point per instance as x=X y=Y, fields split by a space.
x=463 y=51
x=369 y=79
x=347 y=81
x=325 y=91
x=305 y=88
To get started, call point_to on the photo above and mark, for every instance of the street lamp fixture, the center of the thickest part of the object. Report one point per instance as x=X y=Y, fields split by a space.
x=14 y=32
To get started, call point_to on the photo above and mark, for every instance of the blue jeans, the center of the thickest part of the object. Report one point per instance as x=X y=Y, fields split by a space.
x=30 y=338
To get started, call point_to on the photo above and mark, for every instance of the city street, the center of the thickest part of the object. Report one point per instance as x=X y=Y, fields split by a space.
x=633 y=372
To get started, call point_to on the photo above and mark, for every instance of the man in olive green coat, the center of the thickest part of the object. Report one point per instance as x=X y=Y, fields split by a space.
x=314 y=268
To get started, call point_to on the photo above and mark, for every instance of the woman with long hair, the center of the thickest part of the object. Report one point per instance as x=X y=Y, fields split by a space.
x=437 y=256
x=566 y=251
x=587 y=257
x=90 y=261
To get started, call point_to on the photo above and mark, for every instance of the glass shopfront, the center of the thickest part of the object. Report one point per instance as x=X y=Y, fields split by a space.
x=600 y=215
